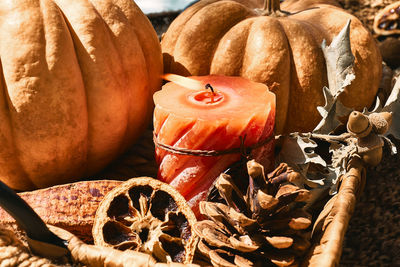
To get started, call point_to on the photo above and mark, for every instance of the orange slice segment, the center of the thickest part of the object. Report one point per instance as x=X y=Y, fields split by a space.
x=146 y=215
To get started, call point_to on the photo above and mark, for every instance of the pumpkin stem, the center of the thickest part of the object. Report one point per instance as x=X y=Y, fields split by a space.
x=273 y=8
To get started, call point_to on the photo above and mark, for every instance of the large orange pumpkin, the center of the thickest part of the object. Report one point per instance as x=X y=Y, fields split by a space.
x=76 y=89
x=276 y=45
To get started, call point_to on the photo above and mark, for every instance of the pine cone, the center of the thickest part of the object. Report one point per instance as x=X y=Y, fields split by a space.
x=267 y=226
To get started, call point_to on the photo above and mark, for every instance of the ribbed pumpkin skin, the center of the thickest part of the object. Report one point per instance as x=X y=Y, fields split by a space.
x=228 y=38
x=77 y=83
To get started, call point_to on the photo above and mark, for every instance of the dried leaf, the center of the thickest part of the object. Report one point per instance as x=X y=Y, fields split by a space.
x=392 y=146
x=330 y=113
x=333 y=177
x=299 y=150
x=393 y=105
x=339 y=61
x=339 y=64
x=341 y=155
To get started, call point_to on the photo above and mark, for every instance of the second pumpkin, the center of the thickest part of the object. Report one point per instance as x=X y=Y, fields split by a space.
x=279 y=48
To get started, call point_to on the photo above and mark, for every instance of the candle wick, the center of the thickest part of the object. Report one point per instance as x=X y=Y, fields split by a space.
x=208 y=86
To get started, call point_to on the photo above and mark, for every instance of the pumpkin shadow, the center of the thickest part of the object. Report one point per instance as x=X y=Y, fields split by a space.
x=172 y=66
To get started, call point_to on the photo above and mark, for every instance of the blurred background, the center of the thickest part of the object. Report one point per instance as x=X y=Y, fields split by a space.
x=156 y=6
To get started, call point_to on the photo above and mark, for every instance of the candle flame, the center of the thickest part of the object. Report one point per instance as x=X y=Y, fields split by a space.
x=184 y=81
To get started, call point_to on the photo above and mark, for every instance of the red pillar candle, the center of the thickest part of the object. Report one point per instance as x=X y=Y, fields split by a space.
x=209 y=113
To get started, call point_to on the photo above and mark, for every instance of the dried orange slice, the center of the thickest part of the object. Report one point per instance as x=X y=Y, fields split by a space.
x=146 y=215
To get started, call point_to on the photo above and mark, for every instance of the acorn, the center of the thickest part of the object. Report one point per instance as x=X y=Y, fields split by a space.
x=359 y=124
x=380 y=122
x=367 y=130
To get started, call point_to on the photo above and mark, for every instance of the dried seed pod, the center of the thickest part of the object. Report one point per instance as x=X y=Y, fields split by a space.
x=144 y=214
x=387 y=20
x=69 y=206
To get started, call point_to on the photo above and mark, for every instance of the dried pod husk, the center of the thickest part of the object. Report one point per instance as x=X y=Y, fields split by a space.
x=274 y=234
x=387 y=20
x=70 y=206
